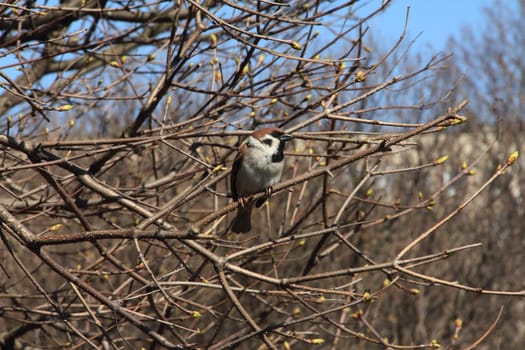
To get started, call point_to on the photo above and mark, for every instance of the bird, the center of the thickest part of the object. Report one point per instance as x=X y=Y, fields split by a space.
x=258 y=165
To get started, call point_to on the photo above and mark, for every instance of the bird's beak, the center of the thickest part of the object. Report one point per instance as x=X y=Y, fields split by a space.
x=285 y=137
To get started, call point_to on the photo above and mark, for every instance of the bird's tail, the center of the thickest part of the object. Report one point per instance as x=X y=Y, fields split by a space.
x=243 y=220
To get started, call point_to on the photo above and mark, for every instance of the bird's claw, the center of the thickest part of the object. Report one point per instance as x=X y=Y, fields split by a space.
x=243 y=201
x=267 y=194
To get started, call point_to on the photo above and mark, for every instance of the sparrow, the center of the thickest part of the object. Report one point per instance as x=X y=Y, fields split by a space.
x=257 y=166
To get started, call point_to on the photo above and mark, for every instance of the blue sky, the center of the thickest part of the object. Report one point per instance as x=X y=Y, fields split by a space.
x=436 y=20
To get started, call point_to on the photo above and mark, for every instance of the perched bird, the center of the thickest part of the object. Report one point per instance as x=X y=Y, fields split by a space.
x=257 y=167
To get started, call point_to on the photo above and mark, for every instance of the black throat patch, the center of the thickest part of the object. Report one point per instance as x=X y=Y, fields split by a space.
x=278 y=156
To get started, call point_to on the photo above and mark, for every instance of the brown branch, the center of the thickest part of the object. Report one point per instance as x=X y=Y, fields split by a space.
x=229 y=293
x=487 y=332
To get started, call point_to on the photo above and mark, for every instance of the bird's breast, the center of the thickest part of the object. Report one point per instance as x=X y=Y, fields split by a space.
x=255 y=175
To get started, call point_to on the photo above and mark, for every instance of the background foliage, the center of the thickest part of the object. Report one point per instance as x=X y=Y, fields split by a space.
x=397 y=223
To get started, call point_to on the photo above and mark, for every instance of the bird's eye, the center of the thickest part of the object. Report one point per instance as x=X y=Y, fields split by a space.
x=267 y=142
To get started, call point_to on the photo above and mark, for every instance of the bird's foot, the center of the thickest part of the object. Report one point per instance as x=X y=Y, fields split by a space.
x=267 y=194
x=243 y=202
